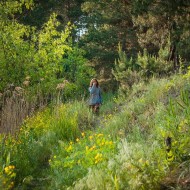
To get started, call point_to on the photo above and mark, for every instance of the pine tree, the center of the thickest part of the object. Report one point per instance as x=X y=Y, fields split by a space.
x=125 y=71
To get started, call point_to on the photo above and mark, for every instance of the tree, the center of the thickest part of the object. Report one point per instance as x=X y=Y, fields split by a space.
x=126 y=71
x=75 y=69
x=26 y=52
x=107 y=23
x=157 y=20
x=66 y=11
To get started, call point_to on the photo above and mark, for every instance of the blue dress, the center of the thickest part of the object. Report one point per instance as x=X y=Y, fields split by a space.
x=95 y=95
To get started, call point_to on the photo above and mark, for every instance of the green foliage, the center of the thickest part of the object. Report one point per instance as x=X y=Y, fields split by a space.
x=7 y=169
x=149 y=18
x=132 y=168
x=154 y=66
x=72 y=160
x=31 y=148
x=65 y=124
x=27 y=52
x=174 y=125
x=106 y=23
x=138 y=25
x=130 y=71
x=67 y=147
x=76 y=70
x=125 y=71
x=143 y=160
x=40 y=60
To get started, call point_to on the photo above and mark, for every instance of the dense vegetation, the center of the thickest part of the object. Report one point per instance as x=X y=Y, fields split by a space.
x=139 y=51
x=140 y=142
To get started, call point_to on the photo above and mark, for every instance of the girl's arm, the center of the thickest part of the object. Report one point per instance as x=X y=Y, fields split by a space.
x=92 y=89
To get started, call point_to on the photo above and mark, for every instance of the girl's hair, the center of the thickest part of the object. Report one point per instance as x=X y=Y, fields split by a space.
x=97 y=83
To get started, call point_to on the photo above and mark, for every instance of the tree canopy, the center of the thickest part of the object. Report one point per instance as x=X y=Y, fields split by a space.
x=35 y=34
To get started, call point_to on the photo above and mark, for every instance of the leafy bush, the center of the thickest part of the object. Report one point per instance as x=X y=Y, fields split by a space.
x=72 y=160
x=28 y=52
x=129 y=72
x=38 y=60
x=136 y=166
x=76 y=70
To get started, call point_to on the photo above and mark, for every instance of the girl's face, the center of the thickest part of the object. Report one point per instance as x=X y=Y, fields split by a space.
x=94 y=82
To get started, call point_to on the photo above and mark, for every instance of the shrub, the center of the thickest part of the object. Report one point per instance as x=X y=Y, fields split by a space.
x=136 y=166
x=72 y=160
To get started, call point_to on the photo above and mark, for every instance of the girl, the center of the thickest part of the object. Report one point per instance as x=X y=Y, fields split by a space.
x=95 y=96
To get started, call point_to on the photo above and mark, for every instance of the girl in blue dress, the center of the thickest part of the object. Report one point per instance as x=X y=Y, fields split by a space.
x=95 y=96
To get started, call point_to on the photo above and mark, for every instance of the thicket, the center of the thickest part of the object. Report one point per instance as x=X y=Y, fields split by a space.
x=38 y=66
x=31 y=57
x=130 y=71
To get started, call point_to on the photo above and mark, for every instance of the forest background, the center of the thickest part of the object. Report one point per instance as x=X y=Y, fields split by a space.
x=52 y=40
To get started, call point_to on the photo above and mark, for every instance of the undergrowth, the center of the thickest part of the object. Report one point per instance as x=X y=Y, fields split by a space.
x=137 y=142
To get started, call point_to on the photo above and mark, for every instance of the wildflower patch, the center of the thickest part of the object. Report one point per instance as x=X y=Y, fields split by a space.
x=91 y=150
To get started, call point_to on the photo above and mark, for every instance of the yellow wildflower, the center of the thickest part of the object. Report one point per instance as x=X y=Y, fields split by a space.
x=90 y=137
x=92 y=148
x=9 y=169
x=12 y=167
x=100 y=135
x=69 y=148
x=6 y=169
x=147 y=162
x=140 y=160
x=77 y=139
x=98 y=158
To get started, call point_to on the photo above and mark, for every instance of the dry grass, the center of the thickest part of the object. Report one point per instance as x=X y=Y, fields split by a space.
x=179 y=178
x=15 y=106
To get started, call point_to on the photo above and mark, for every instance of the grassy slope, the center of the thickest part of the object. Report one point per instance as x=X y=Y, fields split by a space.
x=149 y=115
x=123 y=148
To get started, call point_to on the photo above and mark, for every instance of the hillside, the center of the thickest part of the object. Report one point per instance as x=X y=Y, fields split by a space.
x=140 y=141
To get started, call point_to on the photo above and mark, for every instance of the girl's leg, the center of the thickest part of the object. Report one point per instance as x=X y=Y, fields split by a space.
x=97 y=107
x=91 y=108
x=94 y=108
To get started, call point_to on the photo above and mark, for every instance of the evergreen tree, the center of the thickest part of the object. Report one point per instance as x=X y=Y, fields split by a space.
x=107 y=23
x=157 y=20
x=125 y=71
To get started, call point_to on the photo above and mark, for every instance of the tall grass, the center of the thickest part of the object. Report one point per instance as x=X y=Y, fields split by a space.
x=16 y=105
x=68 y=147
x=14 y=110
x=140 y=107
x=33 y=144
